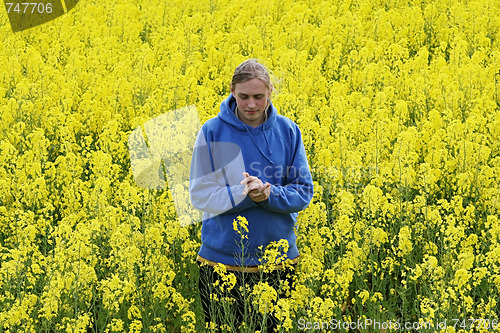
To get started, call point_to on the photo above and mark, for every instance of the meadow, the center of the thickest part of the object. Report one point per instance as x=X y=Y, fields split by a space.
x=398 y=102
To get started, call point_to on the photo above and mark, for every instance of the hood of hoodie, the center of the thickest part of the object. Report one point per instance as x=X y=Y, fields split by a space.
x=227 y=114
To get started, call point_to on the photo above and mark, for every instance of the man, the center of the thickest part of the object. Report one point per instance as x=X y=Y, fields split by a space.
x=248 y=162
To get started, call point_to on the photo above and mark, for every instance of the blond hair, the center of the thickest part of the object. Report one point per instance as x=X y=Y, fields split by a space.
x=251 y=69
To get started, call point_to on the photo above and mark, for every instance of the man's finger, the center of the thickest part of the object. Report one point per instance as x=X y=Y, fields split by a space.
x=248 y=180
x=254 y=186
x=251 y=187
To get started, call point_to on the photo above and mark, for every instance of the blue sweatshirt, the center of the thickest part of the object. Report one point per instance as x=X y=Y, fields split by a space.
x=273 y=152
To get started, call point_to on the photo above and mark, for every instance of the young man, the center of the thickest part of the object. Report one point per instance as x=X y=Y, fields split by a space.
x=249 y=162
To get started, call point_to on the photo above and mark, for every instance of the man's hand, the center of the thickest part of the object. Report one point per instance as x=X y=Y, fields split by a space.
x=254 y=188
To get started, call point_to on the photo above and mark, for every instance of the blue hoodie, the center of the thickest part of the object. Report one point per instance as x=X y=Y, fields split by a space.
x=273 y=152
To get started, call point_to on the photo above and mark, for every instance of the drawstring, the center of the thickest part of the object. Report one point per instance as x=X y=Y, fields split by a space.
x=266 y=112
x=267 y=141
x=264 y=128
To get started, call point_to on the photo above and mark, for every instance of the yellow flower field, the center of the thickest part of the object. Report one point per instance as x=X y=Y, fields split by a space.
x=399 y=106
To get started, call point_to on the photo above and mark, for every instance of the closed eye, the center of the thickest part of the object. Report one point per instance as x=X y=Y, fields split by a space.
x=244 y=96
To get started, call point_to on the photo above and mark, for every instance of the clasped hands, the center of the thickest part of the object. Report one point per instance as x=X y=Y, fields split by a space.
x=254 y=188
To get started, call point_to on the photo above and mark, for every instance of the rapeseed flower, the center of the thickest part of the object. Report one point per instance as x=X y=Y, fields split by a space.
x=398 y=110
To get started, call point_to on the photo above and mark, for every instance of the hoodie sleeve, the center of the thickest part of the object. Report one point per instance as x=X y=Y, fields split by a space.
x=297 y=191
x=214 y=185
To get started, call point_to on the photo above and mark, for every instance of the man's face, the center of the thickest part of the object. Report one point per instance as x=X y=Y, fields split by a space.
x=251 y=100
